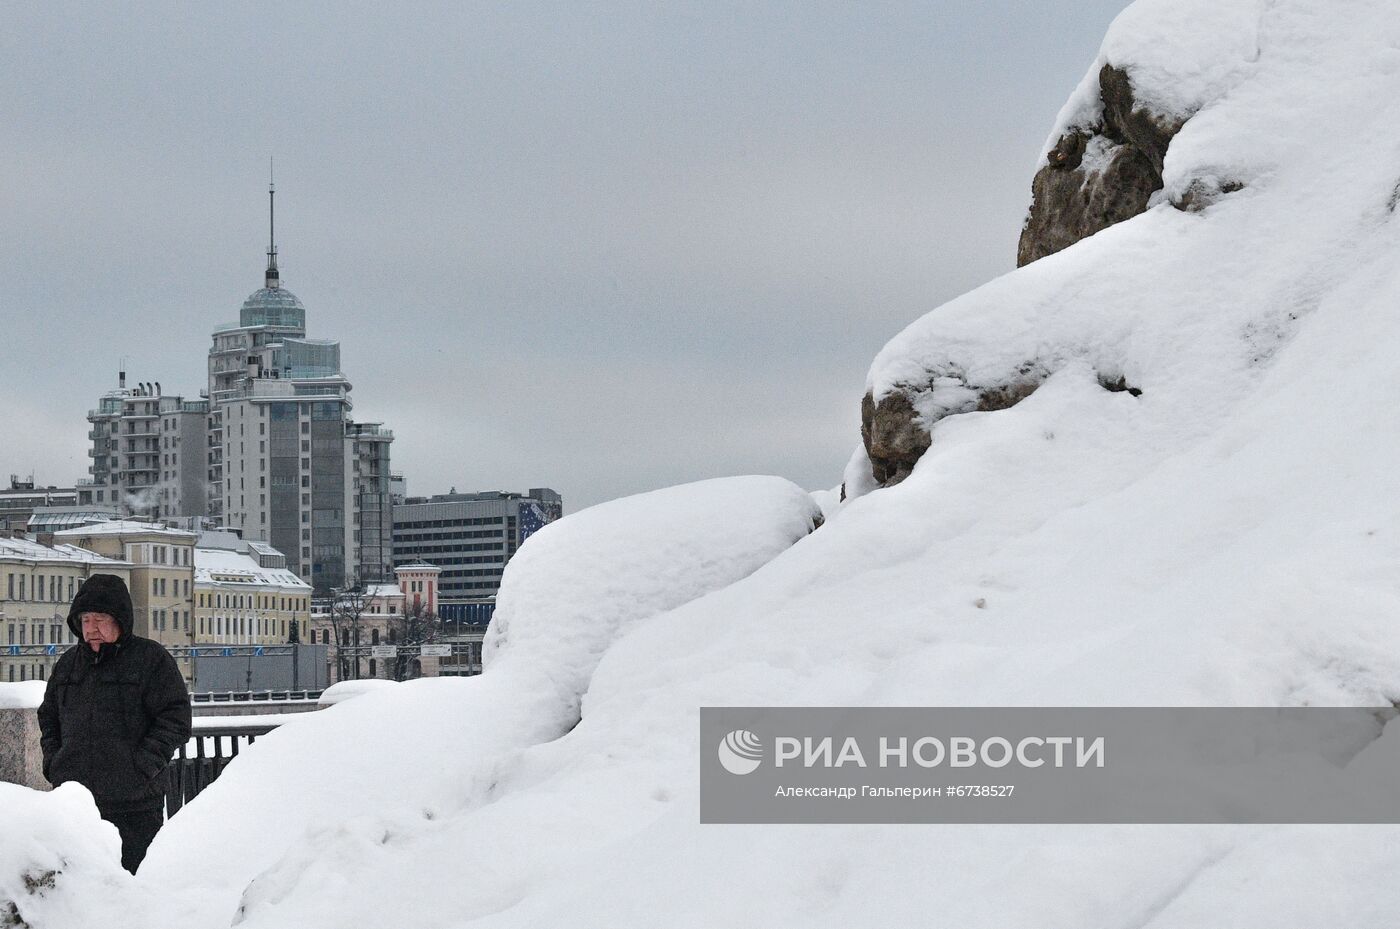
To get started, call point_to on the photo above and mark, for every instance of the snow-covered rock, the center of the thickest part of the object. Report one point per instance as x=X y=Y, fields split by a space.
x=1287 y=100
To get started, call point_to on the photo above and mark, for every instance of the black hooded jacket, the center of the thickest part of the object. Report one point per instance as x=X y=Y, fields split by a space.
x=112 y=719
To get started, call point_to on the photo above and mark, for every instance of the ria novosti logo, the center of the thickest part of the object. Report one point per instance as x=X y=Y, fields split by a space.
x=740 y=752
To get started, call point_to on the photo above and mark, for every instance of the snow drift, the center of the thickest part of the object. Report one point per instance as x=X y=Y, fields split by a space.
x=400 y=765
x=1229 y=533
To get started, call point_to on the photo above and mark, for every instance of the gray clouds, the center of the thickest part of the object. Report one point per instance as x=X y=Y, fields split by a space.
x=599 y=247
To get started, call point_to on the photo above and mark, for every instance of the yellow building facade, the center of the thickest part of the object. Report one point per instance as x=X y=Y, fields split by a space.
x=37 y=583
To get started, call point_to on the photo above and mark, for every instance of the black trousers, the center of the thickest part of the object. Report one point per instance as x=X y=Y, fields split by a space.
x=137 y=828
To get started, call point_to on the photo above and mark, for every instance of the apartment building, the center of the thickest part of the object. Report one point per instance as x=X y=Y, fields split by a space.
x=149 y=453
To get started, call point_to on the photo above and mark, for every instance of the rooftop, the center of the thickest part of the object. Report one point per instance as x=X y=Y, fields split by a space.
x=120 y=527
x=220 y=566
x=29 y=550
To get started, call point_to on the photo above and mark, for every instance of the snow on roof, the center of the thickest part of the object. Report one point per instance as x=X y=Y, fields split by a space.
x=382 y=591
x=54 y=519
x=219 y=566
x=219 y=538
x=28 y=550
x=419 y=565
x=125 y=527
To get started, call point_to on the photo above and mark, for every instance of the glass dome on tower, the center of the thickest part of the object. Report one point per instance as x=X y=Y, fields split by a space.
x=273 y=306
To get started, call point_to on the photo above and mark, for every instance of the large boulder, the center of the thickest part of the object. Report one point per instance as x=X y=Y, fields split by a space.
x=1098 y=175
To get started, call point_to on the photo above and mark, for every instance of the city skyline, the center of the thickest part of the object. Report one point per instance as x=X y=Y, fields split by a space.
x=565 y=249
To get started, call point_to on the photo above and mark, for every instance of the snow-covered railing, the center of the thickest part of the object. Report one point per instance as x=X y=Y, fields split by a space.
x=255 y=696
x=216 y=742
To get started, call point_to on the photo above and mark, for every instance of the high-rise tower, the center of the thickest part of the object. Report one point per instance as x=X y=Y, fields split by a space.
x=284 y=454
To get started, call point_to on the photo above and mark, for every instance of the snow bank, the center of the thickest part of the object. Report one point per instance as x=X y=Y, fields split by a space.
x=22 y=695
x=57 y=858
x=344 y=690
x=583 y=582
x=384 y=769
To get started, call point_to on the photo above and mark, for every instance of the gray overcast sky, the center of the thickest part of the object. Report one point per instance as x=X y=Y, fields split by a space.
x=598 y=247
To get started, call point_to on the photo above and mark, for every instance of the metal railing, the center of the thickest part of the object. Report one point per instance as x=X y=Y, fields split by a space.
x=200 y=761
x=255 y=696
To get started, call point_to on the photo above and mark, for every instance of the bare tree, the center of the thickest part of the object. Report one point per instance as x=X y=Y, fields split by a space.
x=347 y=609
x=416 y=625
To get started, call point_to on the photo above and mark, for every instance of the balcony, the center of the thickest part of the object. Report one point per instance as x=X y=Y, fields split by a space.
x=270 y=387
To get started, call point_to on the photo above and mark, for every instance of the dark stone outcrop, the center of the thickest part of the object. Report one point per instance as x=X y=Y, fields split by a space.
x=894 y=439
x=896 y=436
x=1094 y=177
x=1074 y=197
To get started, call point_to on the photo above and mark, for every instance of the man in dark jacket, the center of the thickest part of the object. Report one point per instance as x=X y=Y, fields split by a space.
x=115 y=710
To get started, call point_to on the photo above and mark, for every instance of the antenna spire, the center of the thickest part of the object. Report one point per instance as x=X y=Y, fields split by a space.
x=272 y=281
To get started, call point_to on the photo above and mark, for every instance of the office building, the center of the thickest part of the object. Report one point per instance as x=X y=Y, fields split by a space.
x=23 y=498
x=470 y=537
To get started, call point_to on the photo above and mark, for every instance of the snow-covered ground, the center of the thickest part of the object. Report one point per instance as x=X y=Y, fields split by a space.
x=1229 y=537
